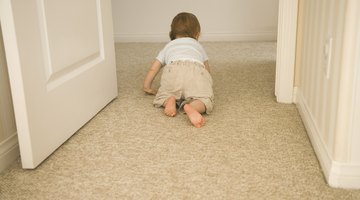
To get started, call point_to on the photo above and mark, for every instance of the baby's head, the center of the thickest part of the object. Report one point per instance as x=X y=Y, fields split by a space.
x=185 y=25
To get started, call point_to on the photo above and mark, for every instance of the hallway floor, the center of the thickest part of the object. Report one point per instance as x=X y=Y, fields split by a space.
x=250 y=147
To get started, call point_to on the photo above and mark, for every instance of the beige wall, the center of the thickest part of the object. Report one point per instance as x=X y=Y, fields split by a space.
x=136 y=20
x=322 y=19
x=329 y=102
x=299 y=42
x=7 y=120
x=9 y=149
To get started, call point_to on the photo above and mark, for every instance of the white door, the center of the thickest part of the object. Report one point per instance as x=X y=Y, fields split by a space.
x=60 y=55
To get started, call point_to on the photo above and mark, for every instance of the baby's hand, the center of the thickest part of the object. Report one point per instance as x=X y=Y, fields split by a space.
x=150 y=91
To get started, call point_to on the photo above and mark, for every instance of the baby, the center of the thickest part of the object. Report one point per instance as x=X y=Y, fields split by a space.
x=186 y=81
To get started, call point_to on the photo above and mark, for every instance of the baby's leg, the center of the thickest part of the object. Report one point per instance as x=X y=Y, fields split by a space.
x=193 y=111
x=170 y=106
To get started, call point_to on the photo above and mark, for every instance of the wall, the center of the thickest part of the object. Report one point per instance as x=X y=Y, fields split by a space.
x=328 y=95
x=299 y=42
x=227 y=20
x=9 y=149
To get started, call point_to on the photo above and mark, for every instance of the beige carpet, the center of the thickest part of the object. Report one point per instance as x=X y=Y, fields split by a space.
x=250 y=148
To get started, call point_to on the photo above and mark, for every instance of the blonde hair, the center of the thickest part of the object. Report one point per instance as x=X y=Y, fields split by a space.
x=185 y=25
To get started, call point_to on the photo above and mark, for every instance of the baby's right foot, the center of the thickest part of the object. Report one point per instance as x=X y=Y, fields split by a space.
x=170 y=107
x=195 y=117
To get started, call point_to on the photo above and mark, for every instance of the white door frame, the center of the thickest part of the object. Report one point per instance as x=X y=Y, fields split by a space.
x=286 y=49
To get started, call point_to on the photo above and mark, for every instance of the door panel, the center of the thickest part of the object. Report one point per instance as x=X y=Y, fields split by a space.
x=62 y=70
x=62 y=31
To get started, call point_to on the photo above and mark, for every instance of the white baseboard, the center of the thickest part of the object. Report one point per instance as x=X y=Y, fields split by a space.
x=141 y=37
x=339 y=175
x=9 y=151
x=345 y=175
x=163 y=37
x=314 y=134
x=251 y=36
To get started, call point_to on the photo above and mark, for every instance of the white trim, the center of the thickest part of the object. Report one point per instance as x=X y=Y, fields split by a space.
x=355 y=128
x=286 y=49
x=340 y=175
x=163 y=37
x=343 y=175
x=17 y=85
x=9 y=151
x=344 y=118
x=314 y=134
x=141 y=37
x=354 y=139
x=250 y=36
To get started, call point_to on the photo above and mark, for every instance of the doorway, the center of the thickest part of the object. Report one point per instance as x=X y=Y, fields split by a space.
x=285 y=59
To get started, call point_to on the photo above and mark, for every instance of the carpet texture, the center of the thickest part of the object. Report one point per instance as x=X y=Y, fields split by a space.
x=250 y=148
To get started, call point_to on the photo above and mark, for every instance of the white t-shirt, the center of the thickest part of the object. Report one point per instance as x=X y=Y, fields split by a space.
x=182 y=49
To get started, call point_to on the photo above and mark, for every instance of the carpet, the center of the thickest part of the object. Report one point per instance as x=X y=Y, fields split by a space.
x=251 y=147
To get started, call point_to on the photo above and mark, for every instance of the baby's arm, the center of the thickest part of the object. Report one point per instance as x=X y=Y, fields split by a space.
x=153 y=71
x=207 y=66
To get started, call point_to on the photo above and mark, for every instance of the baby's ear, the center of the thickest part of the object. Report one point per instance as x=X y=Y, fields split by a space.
x=197 y=36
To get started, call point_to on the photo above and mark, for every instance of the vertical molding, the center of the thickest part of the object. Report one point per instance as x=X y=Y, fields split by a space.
x=355 y=129
x=286 y=47
x=354 y=139
x=299 y=43
x=346 y=83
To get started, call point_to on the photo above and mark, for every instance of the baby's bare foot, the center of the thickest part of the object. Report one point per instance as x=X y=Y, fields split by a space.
x=170 y=107
x=195 y=117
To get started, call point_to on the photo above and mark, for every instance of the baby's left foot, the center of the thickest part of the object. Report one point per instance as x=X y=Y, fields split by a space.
x=195 y=117
x=170 y=107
